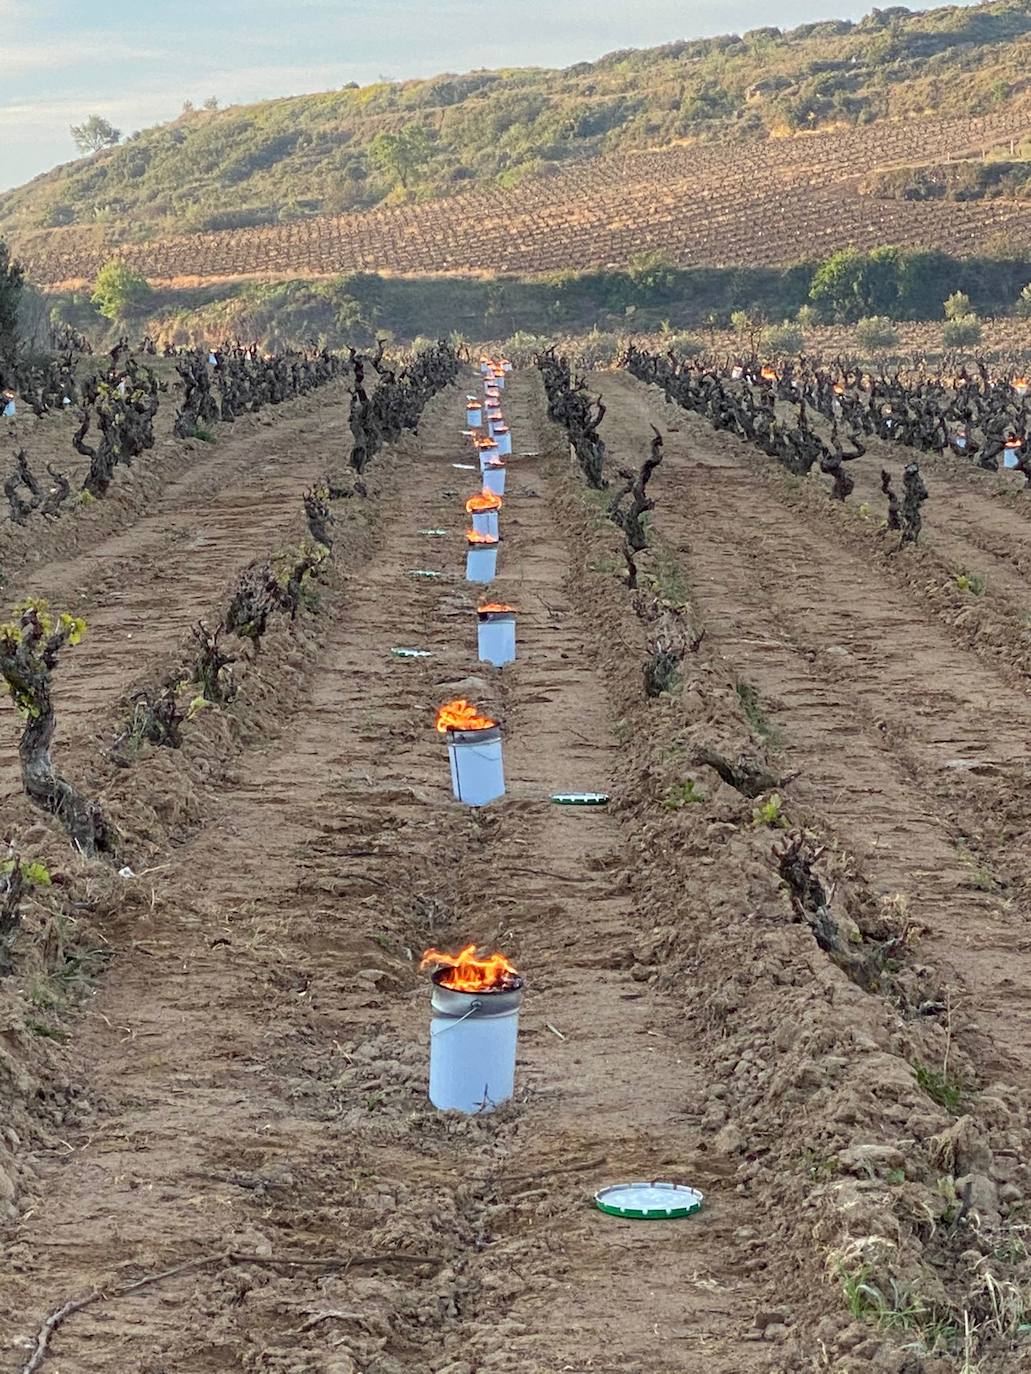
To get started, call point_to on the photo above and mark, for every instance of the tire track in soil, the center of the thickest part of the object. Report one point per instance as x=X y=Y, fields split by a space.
x=872 y=702
x=257 y=1055
x=142 y=588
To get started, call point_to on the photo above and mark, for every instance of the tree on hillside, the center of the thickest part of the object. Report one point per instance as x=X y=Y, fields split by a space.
x=403 y=155
x=750 y=326
x=652 y=272
x=119 y=291
x=851 y=284
x=95 y=134
x=11 y=283
x=958 y=306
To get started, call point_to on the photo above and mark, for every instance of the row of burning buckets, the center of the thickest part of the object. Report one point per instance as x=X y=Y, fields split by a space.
x=476 y=1001
x=474 y=740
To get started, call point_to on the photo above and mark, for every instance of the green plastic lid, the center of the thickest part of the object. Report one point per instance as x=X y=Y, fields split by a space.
x=649 y=1201
x=581 y=798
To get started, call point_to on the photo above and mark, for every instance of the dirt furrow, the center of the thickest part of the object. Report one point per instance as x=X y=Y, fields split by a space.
x=255 y=1063
x=911 y=748
x=975 y=527
x=142 y=588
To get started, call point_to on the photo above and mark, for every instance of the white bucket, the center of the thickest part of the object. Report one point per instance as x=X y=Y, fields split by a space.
x=484 y=366
x=488 y=456
x=499 y=379
x=494 y=479
x=474 y=416
x=503 y=438
x=473 y=1037
x=497 y=637
x=486 y=522
x=1010 y=458
x=506 y=366
x=477 y=770
x=481 y=562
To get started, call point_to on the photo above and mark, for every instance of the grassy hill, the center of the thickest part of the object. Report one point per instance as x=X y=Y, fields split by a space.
x=284 y=160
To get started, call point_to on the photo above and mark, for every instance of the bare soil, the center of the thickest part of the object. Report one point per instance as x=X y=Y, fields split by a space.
x=244 y=1083
x=251 y=1074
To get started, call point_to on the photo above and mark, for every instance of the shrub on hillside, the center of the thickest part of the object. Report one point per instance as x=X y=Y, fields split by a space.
x=521 y=346
x=598 y=349
x=875 y=333
x=962 y=331
x=119 y=292
x=785 y=338
x=683 y=345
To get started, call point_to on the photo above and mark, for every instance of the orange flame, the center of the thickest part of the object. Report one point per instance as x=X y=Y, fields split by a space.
x=494 y=606
x=1020 y=381
x=467 y=973
x=1014 y=442
x=475 y=537
x=768 y=374
x=461 y=715
x=486 y=500
x=483 y=441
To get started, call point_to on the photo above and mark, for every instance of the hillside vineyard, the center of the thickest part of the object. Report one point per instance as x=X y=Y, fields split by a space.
x=777 y=202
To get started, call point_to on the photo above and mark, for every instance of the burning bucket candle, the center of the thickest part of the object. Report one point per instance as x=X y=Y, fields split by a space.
x=488 y=453
x=506 y=366
x=502 y=436
x=481 y=559
x=1021 y=385
x=484 y=510
x=474 y=1030
x=494 y=478
x=474 y=752
x=497 y=634
x=473 y=413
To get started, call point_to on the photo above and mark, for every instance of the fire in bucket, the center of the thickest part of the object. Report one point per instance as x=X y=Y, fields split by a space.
x=497 y=633
x=481 y=559
x=474 y=1029
x=474 y=752
x=484 y=509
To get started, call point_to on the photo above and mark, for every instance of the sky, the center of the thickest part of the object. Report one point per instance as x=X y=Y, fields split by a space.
x=136 y=61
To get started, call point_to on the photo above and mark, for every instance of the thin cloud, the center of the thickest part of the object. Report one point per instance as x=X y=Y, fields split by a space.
x=57 y=54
